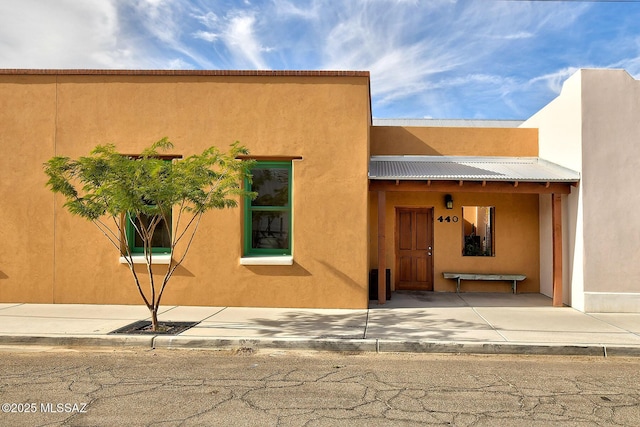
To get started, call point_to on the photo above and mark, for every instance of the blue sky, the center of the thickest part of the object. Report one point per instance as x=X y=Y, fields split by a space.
x=494 y=59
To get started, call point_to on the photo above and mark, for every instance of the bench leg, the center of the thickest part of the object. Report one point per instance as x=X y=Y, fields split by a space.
x=458 y=286
x=514 y=286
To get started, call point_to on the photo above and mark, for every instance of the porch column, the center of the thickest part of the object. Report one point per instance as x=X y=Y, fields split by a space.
x=556 y=213
x=382 y=267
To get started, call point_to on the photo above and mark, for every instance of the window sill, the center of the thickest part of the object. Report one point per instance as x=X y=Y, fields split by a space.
x=267 y=260
x=155 y=259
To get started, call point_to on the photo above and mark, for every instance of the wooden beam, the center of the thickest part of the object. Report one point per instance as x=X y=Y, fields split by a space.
x=382 y=267
x=268 y=158
x=159 y=156
x=473 y=187
x=556 y=214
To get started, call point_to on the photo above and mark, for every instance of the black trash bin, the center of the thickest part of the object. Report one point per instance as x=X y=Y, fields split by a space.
x=373 y=284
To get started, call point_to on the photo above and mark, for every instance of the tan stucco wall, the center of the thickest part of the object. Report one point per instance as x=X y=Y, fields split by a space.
x=27 y=122
x=516 y=225
x=516 y=238
x=323 y=119
x=453 y=141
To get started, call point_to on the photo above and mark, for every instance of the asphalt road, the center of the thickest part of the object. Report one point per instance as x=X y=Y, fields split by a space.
x=40 y=387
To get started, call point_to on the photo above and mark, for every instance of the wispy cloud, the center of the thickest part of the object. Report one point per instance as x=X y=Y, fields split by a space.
x=413 y=50
x=515 y=36
x=555 y=80
x=240 y=38
x=157 y=26
x=631 y=63
x=206 y=36
x=286 y=8
x=436 y=58
x=59 y=34
x=236 y=31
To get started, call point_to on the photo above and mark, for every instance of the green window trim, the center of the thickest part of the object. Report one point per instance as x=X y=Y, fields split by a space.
x=131 y=239
x=268 y=218
x=161 y=242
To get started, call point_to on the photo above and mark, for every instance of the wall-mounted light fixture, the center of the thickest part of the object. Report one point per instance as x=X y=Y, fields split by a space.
x=448 y=201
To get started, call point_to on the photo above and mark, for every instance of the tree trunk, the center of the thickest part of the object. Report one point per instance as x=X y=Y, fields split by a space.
x=154 y=319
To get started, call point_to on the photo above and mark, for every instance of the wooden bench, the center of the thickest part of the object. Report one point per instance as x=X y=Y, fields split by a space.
x=515 y=278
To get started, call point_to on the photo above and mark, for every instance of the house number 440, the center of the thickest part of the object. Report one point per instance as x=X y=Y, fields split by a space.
x=448 y=219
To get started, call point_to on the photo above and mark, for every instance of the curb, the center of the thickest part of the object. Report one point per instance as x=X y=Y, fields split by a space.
x=78 y=340
x=491 y=348
x=338 y=345
x=321 y=344
x=393 y=346
x=622 y=351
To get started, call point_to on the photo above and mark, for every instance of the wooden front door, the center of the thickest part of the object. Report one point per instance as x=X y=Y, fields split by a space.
x=414 y=249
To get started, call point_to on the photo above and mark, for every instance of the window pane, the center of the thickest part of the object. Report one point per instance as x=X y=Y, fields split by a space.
x=270 y=230
x=268 y=216
x=478 y=230
x=272 y=186
x=161 y=237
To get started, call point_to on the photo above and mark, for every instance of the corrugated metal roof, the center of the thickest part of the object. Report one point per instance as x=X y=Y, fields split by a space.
x=476 y=123
x=443 y=168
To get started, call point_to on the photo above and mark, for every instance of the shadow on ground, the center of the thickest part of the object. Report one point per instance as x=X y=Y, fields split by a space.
x=408 y=315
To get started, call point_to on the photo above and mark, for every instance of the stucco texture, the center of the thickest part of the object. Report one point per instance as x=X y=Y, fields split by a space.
x=592 y=127
x=453 y=141
x=516 y=237
x=517 y=242
x=52 y=256
x=610 y=153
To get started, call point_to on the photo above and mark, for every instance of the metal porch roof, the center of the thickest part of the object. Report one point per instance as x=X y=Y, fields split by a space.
x=443 y=168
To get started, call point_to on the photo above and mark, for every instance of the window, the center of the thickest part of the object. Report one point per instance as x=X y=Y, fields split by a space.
x=478 y=231
x=161 y=241
x=267 y=222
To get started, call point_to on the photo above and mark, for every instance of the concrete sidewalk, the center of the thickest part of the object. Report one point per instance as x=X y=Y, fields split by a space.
x=410 y=322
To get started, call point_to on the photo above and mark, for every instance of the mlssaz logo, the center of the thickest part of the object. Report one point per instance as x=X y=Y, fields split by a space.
x=80 y=408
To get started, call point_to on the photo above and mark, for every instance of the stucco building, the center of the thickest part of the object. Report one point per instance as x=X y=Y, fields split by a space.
x=549 y=198
x=593 y=127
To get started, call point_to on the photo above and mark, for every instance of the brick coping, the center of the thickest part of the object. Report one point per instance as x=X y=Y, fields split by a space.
x=252 y=73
